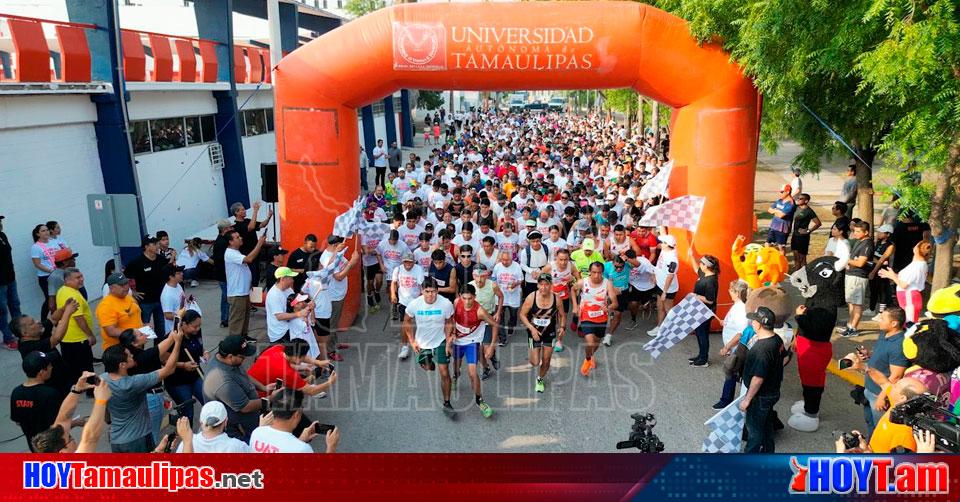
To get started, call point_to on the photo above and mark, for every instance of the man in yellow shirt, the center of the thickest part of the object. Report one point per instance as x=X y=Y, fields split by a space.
x=76 y=346
x=117 y=311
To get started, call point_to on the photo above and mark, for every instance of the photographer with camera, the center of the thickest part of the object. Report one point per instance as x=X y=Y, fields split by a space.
x=882 y=366
x=278 y=437
x=888 y=436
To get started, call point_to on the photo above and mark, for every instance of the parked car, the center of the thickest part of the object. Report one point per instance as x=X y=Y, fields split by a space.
x=536 y=106
x=557 y=104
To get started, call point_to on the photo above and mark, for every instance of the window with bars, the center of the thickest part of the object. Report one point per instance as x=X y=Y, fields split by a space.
x=158 y=135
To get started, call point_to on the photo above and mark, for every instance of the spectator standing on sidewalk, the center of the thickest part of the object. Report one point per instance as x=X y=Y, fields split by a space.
x=9 y=299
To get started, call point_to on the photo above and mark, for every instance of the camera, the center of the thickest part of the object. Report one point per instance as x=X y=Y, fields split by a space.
x=93 y=380
x=641 y=435
x=851 y=440
x=924 y=412
x=847 y=362
x=180 y=410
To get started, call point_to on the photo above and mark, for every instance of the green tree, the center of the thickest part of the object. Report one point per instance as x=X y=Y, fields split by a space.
x=429 y=100
x=362 y=7
x=917 y=66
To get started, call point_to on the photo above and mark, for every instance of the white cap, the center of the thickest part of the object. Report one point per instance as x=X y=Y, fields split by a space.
x=885 y=228
x=668 y=240
x=213 y=414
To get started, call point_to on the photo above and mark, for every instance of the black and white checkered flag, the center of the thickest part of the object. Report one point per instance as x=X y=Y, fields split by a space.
x=726 y=429
x=682 y=212
x=657 y=185
x=348 y=222
x=680 y=321
x=372 y=230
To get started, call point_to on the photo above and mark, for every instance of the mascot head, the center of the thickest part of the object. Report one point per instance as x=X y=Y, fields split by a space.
x=758 y=265
x=775 y=299
x=945 y=304
x=820 y=284
x=932 y=345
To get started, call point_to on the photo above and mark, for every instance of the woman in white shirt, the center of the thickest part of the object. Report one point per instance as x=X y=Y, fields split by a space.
x=189 y=258
x=838 y=246
x=911 y=281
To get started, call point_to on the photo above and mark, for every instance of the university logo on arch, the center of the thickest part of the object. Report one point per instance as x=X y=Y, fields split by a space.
x=419 y=46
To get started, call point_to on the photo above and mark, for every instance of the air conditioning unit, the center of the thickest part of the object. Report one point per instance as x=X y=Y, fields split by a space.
x=216 y=155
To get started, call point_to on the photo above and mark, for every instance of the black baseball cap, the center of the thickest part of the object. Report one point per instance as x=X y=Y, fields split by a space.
x=236 y=345
x=117 y=278
x=35 y=362
x=764 y=316
x=148 y=239
x=278 y=251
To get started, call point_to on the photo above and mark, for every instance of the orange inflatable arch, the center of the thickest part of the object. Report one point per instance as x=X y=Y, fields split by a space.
x=515 y=46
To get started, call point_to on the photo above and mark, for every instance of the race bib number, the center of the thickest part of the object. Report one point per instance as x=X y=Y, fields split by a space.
x=594 y=314
x=463 y=329
x=541 y=322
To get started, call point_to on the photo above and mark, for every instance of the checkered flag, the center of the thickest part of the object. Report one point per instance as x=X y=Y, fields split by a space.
x=682 y=212
x=373 y=230
x=323 y=275
x=347 y=223
x=680 y=321
x=657 y=185
x=726 y=430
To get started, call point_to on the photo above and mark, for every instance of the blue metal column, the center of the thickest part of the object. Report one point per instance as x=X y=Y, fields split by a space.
x=215 y=22
x=406 y=120
x=390 y=116
x=113 y=142
x=288 y=28
x=369 y=132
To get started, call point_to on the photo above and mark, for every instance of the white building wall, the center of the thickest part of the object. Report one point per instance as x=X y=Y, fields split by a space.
x=49 y=164
x=182 y=192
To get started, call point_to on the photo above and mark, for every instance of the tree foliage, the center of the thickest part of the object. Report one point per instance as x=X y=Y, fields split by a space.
x=429 y=100
x=362 y=7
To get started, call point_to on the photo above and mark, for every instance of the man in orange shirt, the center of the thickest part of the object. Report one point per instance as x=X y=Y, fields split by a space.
x=887 y=436
x=117 y=311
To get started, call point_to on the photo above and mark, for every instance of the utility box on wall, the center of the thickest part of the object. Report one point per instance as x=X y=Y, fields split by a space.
x=114 y=221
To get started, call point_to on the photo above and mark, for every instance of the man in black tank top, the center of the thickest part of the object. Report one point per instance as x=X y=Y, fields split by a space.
x=543 y=315
x=443 y=273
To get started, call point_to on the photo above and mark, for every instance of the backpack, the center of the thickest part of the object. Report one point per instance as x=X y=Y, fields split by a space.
x=545 y=250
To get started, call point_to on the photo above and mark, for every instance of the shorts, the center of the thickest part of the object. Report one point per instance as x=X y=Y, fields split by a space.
x=775 y=237
x=372 y=271
x=322 y=327
x=800 y=243
x=437 y=355
x=469 y=351
x=623 y=300
x=546 y=340
x=643 y=297
x=656 y=291
x=593 y=328
x=856 y=290
x=487 y=334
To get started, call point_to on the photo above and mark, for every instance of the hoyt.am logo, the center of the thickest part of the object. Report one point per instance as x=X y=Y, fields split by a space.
x=878 y=475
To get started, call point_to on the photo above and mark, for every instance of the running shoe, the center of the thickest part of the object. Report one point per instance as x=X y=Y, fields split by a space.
x=848 y=332
x=719 y=405
x=495 y=362
x=654 y=332
x=449 y=412
x=558 y=347
x=333 y=356
x=486 y=374
x=539 y=387
x=502 y=343
x=699 y=364
x=485 y=410
x=607 y=339
x=633 y=325
x=322 y=395
x=342 y=346
x=692 y=359
x=585 y=368
x=877 y=317
x=194 y=284
x=404 y=352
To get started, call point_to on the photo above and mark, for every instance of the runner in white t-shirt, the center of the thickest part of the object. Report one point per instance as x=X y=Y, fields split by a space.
x=509 y=277
x=428 y=322
x=404 y=288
